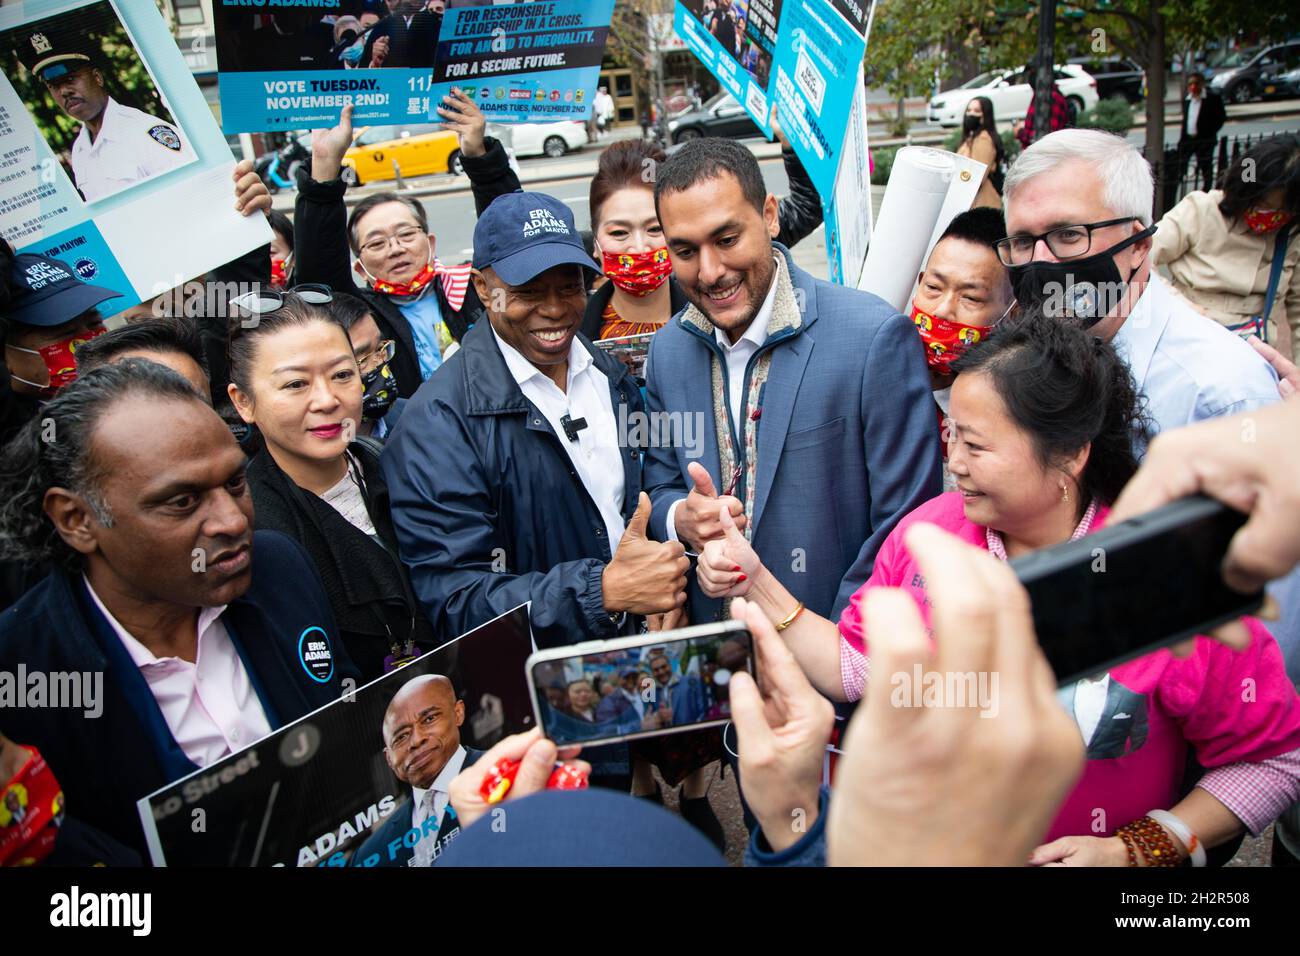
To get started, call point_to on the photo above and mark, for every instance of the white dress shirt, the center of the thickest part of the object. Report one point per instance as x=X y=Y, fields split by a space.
x=596 y=455
x=1188 y=366
x=210 y=706
x=1193 y=113
x=737 y=360
x=424 y=807
x=132 y=146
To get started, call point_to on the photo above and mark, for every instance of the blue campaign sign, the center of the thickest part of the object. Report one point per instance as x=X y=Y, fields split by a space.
x=818 y=58
x=294 y=64
x=737 y=41
x=530 y=62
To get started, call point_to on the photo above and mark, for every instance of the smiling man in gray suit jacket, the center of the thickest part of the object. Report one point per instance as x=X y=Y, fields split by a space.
x=818 y=424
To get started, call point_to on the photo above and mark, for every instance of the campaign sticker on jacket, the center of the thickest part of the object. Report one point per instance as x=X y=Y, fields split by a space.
x=316 y=655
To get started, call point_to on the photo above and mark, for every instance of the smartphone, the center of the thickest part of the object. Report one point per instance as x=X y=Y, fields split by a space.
x=662 y=683
x=1133 y=587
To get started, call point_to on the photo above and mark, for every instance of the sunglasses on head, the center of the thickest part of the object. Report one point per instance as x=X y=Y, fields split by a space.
x=269 y=300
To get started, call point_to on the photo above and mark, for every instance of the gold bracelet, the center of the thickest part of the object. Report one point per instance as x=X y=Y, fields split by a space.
x=790 y=618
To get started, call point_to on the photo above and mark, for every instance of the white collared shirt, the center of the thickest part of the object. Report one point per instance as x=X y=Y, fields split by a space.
x=1188 y=366
x=210 y=706
x=132 y=146
x=441 y=797
x=1193 y=113
x=596 y=455
x=738 y=355
x=737 y=359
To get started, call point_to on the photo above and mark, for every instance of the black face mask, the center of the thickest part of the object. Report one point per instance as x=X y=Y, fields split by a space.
x=971 y=124
x=380 y=393
x=1085 y=290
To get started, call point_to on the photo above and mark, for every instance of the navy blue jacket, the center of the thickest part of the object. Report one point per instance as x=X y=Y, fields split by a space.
x=106 y=763
x=488 y=509
x=390 y=845
x=846 y=440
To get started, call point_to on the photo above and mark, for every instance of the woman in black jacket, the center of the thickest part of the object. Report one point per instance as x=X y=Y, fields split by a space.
x=294 y=376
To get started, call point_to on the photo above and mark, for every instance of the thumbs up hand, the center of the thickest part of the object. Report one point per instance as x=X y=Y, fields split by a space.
x=645 y=576
x=696 y=518
x=728 y=564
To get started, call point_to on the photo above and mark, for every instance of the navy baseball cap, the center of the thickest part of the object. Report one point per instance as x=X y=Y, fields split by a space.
x=47 y=293
x=592 y=827
x=521 y=235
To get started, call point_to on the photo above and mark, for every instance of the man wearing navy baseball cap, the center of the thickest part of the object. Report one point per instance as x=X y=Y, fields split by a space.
x=513 y=473
x=50 y=312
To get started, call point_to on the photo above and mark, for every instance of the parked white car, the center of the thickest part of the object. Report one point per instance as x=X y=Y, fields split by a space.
x=1010 y=92
x=542 y=139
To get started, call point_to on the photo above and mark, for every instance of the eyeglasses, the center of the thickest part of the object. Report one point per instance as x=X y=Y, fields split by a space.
x=269 y=300
x=383 y=352
x=1065 y=242
x=407 y=236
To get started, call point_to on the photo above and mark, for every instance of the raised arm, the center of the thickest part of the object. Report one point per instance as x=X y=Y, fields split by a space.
x=485 y=160
x=320 y=220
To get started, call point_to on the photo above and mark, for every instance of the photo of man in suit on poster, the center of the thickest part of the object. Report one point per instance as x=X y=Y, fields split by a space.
x=421 y=734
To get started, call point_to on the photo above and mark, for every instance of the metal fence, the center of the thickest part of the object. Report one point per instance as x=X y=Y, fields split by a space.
x=1179 y=172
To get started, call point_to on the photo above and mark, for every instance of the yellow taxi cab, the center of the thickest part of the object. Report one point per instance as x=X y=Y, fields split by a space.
x=417 y=151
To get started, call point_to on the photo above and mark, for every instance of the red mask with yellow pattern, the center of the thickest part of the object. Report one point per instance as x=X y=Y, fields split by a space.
x=945 y=341
x=60 y=361
x=1263 y=221
x=637 y=273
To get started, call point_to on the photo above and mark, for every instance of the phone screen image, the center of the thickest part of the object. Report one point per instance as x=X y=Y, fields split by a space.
x=657 y=687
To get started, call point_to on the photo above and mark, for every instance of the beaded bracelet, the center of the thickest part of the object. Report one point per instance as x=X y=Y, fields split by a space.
x=1153 y=840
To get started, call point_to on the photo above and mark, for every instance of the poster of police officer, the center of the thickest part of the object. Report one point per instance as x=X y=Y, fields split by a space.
x=93 y=99
x=362 y=781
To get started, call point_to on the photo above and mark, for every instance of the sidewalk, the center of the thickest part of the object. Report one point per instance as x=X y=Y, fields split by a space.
x=582 y=165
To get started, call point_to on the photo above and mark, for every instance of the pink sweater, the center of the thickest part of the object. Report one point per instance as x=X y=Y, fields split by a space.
x=1233 y=708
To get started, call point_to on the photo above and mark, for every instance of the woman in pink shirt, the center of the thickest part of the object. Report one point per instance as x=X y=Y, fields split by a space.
x=1043 y=419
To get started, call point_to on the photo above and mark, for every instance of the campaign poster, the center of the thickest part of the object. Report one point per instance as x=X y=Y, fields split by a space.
x=736 y=40
x=818 y=60
x=529 y=61
x=339 y=786
x=294 y=64
x=847 y=211
x=110 y=160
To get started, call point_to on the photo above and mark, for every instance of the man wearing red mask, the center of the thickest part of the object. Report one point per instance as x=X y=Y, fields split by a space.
x=418 y=302
x=961 y=295
x=50 y=314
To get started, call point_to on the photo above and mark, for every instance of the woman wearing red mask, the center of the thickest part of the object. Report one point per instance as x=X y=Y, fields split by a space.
x=641 y=295
x=1233 y=251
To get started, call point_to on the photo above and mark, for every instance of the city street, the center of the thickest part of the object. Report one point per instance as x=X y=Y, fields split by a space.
x=450 y=206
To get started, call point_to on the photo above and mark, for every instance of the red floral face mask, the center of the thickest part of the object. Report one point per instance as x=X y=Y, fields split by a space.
x=31 y=807
x=1260 y=221
x=279 y=275
x=944 y=341
x=416 y=283
x=60 y=361
x=637 y=273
